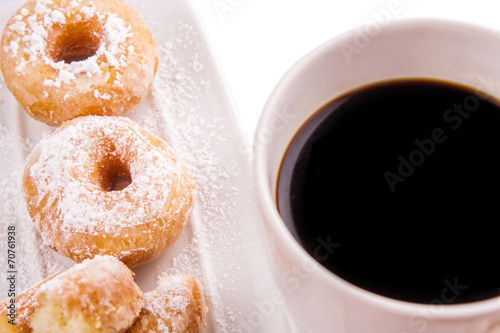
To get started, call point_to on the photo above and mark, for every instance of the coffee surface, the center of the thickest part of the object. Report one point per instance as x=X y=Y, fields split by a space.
x=395 y=188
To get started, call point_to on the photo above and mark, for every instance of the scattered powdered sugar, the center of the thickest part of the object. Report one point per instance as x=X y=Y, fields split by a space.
x=97 y=273
x=29 y=246
x=174 y=110
x=116 y=34
x=87 y=11
x=178 y=115
x=168 y=302
x=98 y=94
x=56 y=17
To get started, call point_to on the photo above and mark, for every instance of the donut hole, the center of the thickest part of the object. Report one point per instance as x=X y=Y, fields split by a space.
x=115 y=175
x=74 y=41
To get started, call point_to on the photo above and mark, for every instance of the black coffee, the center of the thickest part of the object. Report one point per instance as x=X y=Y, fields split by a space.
x=395 y=187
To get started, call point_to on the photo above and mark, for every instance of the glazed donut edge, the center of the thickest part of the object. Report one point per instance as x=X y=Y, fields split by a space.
x=68 y=58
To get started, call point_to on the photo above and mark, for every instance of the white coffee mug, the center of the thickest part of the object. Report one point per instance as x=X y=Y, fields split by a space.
x=316 y=299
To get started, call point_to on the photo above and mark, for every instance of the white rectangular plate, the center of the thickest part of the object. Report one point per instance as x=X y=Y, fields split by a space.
x=190 y=107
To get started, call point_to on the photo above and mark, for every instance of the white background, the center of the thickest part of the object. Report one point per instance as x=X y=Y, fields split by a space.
x=256 y=41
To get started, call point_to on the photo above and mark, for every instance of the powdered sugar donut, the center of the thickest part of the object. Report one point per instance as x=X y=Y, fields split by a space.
x=98 y=295
x=105 y=185
x=176 y=305
x=67 y=58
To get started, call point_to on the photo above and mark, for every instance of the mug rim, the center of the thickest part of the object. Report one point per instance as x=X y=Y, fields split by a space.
x=264 y=188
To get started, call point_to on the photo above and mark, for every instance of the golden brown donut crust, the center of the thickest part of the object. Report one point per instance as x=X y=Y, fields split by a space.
x=100 y=292
x=67 y=180
x=176 y=305
x=26 y=304
x=67 y=58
